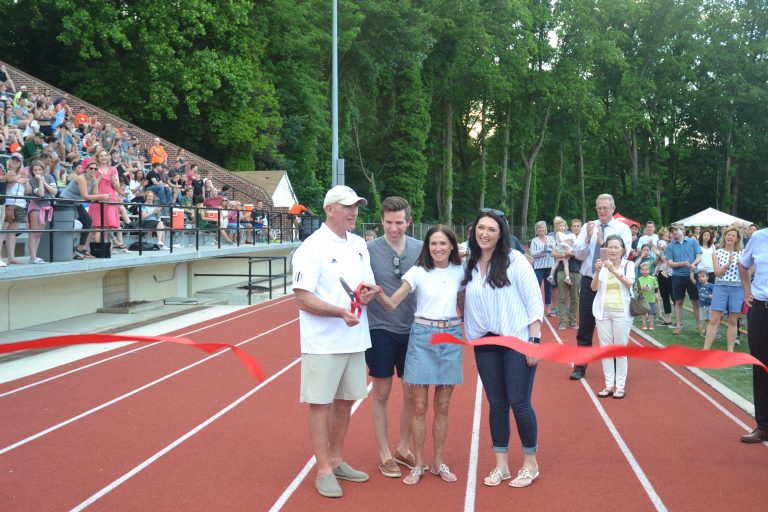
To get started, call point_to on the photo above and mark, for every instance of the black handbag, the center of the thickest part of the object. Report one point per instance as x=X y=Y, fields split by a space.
x=101 y=249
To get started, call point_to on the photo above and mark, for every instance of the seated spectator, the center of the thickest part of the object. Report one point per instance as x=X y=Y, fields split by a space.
x=82 y=121
x=150 y=218
x=108 y=137
x=156 y=186
x=39 y=211
x=33 y=146
x=16 y=187
x=224 y=221
x=187 y=202
x=210 y=190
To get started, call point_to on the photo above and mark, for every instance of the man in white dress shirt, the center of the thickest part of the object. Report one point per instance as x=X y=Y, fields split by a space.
x=587 y=249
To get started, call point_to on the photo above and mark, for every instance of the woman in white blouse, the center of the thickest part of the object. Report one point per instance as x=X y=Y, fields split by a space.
x=503 y=298
x=436 y=280
x=614 y=277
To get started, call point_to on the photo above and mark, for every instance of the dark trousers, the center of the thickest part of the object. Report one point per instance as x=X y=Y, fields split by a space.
x=665 y=290
x=758 y=347
x=586 y=318
x=85 y=220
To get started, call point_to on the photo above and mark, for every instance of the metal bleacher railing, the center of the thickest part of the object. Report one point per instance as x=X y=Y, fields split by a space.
x=180 y=228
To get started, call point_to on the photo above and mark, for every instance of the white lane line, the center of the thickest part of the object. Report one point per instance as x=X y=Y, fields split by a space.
x=143 y=347
x=116 y=483
x=294 y=485
x=131 y=393
x=639 y=473
x=704 y=394
x=471 y=491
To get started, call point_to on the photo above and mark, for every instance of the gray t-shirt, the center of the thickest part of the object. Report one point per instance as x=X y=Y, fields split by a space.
x=382 y=256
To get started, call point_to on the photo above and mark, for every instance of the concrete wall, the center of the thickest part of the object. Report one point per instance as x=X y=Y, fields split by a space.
x=34 y=300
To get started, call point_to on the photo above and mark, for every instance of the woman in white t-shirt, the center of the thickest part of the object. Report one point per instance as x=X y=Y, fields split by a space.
x=707 y=243
x=436 y=281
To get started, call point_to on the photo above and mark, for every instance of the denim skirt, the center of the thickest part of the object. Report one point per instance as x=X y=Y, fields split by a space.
x=439 y=365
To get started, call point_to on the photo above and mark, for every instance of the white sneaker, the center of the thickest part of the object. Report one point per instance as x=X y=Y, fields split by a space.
x=3 y=264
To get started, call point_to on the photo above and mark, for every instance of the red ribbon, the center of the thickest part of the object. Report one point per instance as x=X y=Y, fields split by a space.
x=673 y=354
x=251 y=363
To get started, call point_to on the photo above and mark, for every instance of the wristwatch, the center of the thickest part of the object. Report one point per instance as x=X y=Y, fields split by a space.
x=534 y=339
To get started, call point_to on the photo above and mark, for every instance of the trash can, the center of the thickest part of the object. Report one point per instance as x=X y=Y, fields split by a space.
x=64 y=216
x=309 y=224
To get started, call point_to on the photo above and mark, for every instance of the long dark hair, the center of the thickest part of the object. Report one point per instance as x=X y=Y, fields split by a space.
x=711 y=238
x=497 y=273
x=425 y=258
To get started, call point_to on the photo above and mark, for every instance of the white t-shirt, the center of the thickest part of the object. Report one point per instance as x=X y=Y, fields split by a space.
x=435 y=290
x=317 y=265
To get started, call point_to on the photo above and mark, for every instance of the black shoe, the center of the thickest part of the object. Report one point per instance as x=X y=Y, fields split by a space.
x=577 y=374
x=757 y=436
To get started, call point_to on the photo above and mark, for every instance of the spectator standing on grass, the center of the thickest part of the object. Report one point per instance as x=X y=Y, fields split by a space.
x=612 y=284
x=705 y=290
x=728 y=293
x=587 y=249
x=392 y=255
x=649 y=286
x=683 y=254
x=16 y=187
x=649 y=235
x=333 y=339
x=755 y=258
x=39 y=211
x=707 y=244
x=568 y=297
x=541 y=252
x=665 y=281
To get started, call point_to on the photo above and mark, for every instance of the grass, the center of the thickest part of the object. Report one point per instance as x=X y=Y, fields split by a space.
x=737 y=378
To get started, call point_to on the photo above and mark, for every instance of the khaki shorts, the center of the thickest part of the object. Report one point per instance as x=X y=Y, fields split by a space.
x=329 y=377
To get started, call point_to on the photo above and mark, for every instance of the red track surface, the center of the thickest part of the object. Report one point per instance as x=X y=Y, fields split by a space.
x=120 y=441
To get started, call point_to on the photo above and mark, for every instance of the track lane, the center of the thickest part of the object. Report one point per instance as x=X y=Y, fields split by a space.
x=105 y=384
x=105 y=445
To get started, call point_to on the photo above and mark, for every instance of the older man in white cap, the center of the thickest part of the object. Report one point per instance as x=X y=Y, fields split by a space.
x=334 y=334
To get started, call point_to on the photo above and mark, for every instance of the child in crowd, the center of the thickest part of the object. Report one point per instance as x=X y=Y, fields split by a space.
x=704 y=289
x=563 y=243
x=648 y=285
x=370 y=235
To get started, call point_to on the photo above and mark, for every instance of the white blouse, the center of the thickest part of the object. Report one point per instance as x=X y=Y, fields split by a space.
x=506 y=311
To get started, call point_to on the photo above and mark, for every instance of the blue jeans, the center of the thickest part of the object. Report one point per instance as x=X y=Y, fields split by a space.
x=162 y=193
x=508 y=382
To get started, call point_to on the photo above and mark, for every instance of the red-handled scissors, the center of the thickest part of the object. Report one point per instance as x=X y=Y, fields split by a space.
x=356 y=307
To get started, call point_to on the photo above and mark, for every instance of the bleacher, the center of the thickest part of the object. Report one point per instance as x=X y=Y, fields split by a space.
x=196 y=260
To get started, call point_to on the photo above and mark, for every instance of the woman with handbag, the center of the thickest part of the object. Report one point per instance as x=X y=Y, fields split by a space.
x=17 y=186
x=614 y=278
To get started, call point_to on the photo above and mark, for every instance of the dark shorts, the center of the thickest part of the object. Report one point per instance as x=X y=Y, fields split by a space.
x=681 y=284
x=386 y=354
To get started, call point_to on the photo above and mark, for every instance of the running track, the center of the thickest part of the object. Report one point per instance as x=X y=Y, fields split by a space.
x=162 y=428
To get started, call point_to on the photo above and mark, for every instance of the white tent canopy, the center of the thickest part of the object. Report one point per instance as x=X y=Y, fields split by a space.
x=710 y=217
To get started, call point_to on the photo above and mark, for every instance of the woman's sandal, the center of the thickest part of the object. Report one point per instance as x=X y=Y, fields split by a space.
x=496 y=477
x=524 y=478
x=605 y=393
x=619 y=394
x=121 y=248
x=414 y=477
x=444 y=473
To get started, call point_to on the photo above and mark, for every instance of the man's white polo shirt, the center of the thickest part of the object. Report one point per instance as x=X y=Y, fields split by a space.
x=317 y=265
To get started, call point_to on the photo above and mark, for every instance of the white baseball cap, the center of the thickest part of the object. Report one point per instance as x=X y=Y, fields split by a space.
x=341 y=194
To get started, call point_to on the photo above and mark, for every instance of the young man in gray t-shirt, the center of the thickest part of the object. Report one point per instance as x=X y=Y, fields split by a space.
x=391 y=257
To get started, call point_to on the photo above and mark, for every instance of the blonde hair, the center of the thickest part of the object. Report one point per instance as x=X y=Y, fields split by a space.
x=739 y=245
x=557 y=220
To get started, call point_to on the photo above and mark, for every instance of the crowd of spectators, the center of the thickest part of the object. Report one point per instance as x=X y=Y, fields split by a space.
x=655 y=267
x=49 y=149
